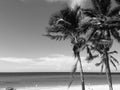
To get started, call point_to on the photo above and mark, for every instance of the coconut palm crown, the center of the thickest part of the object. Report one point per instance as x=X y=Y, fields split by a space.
x=104 y=20
x=64 y=24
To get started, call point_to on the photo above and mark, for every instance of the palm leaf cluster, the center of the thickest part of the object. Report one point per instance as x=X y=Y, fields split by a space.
x=105 y=21
x=64 y=24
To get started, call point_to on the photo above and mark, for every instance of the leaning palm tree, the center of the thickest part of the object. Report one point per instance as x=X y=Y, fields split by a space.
x=65 y=25
x=103 y=25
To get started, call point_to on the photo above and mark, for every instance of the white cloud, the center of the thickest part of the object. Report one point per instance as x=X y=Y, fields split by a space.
x=61 y=62
x=71 y=3
x=16 y=60
x=54 y=62
x=20 y=60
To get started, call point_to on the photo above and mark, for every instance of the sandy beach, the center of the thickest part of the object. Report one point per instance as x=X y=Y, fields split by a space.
x=90 y=87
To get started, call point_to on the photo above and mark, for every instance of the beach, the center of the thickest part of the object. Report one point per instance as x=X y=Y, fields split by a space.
x=56 y=82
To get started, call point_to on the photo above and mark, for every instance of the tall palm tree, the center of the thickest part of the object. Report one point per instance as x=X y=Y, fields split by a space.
x=65 y=25
x=104 y=23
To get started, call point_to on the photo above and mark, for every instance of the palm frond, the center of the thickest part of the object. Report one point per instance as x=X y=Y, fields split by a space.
x=66 y=17
x=63 y=22
x=115 y=34
x=105 y=6
x=92 y=34
x=108 y=35
x=102 y=6
x=113 y=26
x=114 y=12
x=89 y=51
x=97 y=35
x=90 y=57
x=96 y=49
x=90 y=12
x=113 y=52
x=71 y=16
x=54 y=17
x=114 y=59
x=98 y=64
x=113 y=64
x=56 y=29
x=114 y=20
x=96 y=5
x=55 y=37
x=85 y=27
x=73 y=41
x=102 y=66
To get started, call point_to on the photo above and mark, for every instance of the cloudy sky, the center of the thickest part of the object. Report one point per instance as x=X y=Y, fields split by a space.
x=22 y=46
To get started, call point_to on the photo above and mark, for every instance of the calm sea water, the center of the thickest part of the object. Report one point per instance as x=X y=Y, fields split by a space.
x=53 y=80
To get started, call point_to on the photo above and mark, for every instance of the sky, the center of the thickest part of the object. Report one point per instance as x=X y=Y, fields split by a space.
x=23 y=48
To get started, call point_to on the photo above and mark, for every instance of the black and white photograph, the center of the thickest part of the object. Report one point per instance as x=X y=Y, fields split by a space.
x=59 y=44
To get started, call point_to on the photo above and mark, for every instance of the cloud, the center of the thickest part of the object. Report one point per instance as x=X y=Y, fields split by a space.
x=74 y=3
x=58 y=58
x=54 y=63
x=71 y=3
x=15 y=60
x=20 y=60
x=61 y=62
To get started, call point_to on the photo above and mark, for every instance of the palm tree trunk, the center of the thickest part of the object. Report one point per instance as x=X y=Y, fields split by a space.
x=108 y=72
x=81 y=74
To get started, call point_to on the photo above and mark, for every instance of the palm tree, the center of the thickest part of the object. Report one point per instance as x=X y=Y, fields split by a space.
x=104 y=23
x=65 y=25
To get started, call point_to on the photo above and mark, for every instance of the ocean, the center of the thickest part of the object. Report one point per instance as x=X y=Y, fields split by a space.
x=54 y=81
